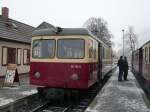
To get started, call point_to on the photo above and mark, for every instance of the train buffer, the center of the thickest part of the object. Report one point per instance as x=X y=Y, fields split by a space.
x=125 y=96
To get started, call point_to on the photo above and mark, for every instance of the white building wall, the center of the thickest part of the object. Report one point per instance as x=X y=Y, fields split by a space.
x=21 y=68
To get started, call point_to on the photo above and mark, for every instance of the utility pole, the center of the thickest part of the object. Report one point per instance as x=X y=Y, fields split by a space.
x=123 y=41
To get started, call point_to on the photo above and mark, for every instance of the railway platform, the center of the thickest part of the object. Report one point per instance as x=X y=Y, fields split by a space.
x=125 y=96
x=10 y=95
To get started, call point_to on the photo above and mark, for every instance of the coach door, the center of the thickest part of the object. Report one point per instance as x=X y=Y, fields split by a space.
x=140 y=60
x=99 y=61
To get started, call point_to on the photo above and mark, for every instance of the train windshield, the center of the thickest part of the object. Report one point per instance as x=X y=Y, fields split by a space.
x=70 y=48
x=43 y=48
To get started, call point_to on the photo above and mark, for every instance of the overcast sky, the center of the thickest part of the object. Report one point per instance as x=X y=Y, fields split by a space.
x=119 y=14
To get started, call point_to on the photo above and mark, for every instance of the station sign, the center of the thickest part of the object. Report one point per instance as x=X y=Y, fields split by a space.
x=11 y=75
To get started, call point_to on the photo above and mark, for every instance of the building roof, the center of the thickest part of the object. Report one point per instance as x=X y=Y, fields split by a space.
x=15 y=31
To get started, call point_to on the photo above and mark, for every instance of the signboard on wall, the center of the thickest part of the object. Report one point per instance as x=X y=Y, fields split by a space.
x=11 y=75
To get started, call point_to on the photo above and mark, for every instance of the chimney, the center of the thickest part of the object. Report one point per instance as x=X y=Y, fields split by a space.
x=5 y=11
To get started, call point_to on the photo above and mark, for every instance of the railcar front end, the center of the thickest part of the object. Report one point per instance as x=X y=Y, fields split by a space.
x=62 y=62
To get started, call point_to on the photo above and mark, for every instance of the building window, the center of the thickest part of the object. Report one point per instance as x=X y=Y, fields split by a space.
x=8 y=55
x=4 y=56
x=19 y=52
x=26 y=56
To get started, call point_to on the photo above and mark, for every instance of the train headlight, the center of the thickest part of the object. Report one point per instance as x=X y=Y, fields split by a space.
x=75 y=77
x=37 y=75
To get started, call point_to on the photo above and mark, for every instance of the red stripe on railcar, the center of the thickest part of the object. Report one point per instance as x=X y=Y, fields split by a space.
x=59 y=74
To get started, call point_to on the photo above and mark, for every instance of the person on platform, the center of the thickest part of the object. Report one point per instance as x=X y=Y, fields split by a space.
x=120 y=64
x=125 y=68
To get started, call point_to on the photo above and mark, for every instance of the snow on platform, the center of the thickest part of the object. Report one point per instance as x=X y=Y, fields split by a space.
x=11 y=94
x=125 y=96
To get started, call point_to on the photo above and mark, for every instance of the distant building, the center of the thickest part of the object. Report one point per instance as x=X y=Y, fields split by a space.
x=15 y=39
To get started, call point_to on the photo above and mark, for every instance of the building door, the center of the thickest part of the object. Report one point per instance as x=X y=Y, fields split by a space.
x=11 y=55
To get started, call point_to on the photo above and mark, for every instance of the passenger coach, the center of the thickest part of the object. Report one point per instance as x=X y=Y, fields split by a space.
x=141 y=65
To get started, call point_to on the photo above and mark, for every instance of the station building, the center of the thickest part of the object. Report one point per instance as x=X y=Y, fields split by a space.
x=15 y=39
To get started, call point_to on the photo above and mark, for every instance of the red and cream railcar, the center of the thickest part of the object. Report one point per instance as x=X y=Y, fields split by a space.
x=67 y=58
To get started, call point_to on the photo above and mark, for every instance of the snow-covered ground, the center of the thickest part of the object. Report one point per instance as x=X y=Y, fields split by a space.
x=4 y=101
x=11 y=94
x=116 y=96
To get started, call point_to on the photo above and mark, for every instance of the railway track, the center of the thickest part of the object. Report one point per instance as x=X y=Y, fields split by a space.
x=80 y=106
x=34 y=104
x=21 y=105
x=53 y=109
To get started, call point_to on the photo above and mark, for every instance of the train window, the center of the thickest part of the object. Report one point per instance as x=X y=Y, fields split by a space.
x=149 y=54
x=146 y=53
x=94 y=49
x=43 y=48
x=143 y=55
x=71 y=48
x=103 y=53
x=90 y=48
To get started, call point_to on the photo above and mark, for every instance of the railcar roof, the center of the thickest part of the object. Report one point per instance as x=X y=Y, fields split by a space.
x=64 y=32
x=142 y=46
x=46 y=29
x=145 y=43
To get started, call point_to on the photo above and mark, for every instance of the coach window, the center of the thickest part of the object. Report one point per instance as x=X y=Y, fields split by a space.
x=149 y=54
x=103 y=53
x=70 y=48
x=43 y=48
x=146 y=54
x=94 y=50
x=146 y=57
x=90 y=48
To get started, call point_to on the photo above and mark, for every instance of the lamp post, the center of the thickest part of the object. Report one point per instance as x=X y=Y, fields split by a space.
x=123 y=41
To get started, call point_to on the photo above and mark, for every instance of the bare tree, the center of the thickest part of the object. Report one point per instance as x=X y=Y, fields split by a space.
x=131 y=38
x=98 y=27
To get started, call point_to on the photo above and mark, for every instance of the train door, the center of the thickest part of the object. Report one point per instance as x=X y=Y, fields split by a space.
x=99 y=61
x=140 y=60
